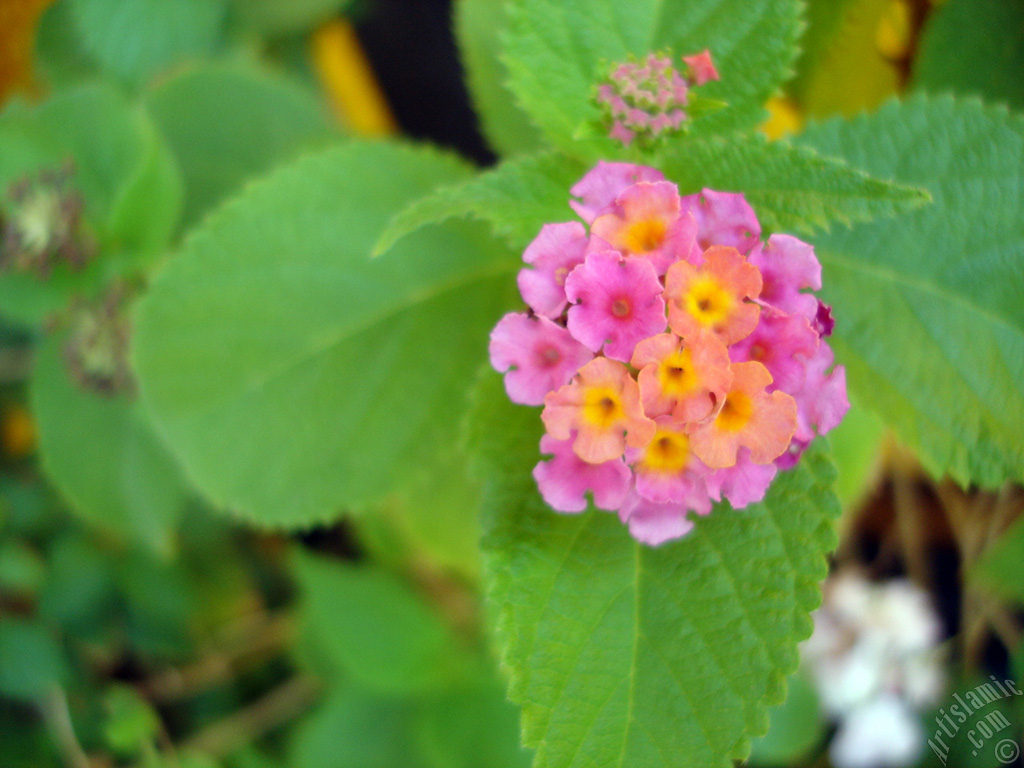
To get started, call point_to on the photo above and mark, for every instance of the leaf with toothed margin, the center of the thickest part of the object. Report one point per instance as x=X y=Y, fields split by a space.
x=293 y=376
x=556 y=51
x=515 y=198
x=792 y=188
x=625 y=655
x=929 y=317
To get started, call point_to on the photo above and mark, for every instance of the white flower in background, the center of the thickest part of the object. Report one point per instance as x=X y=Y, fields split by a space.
x=884 y=732
x=874 y=659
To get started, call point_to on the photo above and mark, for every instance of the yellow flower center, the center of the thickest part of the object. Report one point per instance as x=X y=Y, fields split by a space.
x=667 y=452
x=736 y=412
x=676 y=374
x=645 y=235
x=602 y=407
x=708 y=302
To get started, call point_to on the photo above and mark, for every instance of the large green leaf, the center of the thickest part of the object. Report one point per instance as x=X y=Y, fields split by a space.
x=930 y=324
x=136 y=40
x=103 y=456
x=228 y=123
x=976 y=47
x=557 y=51
x=478 y=26
x=791 y=188
x=516 y=198
x=622 y=654
x=293 y=375
x=129 y=183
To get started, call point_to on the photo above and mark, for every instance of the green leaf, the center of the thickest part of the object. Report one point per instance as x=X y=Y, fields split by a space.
x=797 y=727
x=478 y=26
x=102 y=455
x=516 y=199
x=31 y=660
x=557 y=51
x=134 y=41
x=372 y=626
x=358 y=729
x=274 y=18
x=623 y=654
x=856 y=448
x=998 y=569
x=472 y=727
x=930 y=324
x=974 y=47
x=791 y=188
x=292 y=374
x=228 y=123
x=129 y=184
x=22 y=570
x=131 y=723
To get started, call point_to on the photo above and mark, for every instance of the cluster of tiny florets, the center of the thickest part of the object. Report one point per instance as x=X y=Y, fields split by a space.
x=644 y=99
x=679 y=358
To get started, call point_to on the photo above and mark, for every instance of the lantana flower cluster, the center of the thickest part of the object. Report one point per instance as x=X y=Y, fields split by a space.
x=643 y=99
x=680 y=360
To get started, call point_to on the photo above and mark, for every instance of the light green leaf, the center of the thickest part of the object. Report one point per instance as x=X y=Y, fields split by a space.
x=998 y=569
x=102 y=455
x=293 y=375
x=372 y=626
x=478 y=26
x=129 y=184
x=856 y=450
x=136 y=40
x=929 y=321
x=228 y=123
x=792 y=189
x=974 y=47
x=516 y=198
x=622 y=654
x=557 y=51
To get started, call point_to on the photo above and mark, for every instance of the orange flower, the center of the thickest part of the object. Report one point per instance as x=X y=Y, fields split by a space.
x=681 y=378
x=714 y=296
x=602 y=403
x=750 y=417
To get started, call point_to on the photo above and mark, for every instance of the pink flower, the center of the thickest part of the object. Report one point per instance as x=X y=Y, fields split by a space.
x=616 y=303
x=666 y=469
x=685 y=379
x=783 y=344
x=743 y=483
x=538 y=355
x=702 y=70
x=600 y=186
x=565 y=479
x=713 y=297
x=602 y=404
x=654 y=523
x=723 y=218
x=553 y=254
x=645 y=221
x=788 y=265
x=821 y=403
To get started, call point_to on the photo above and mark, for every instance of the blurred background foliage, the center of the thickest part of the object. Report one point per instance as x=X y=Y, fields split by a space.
x=139 y=627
